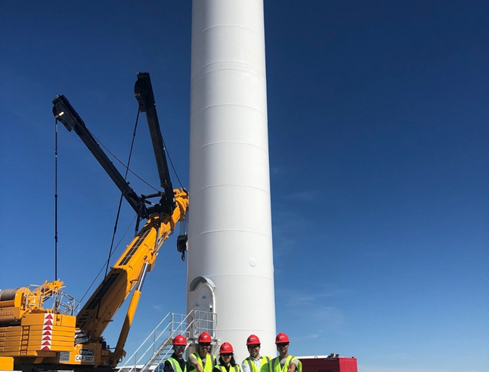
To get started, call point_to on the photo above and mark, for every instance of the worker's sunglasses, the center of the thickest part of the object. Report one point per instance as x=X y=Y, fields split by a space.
x=205 y=345
x=226 y=355
x=282 y=344
x=253 y=346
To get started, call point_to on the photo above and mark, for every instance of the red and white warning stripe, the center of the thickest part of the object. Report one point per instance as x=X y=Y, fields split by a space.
x=47 y=332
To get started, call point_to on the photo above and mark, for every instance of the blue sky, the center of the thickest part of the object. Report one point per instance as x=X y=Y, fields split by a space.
x=378 y=132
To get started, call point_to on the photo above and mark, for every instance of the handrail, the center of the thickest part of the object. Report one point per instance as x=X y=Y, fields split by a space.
x=144 y=342
x=190 y=325
x=157 y=353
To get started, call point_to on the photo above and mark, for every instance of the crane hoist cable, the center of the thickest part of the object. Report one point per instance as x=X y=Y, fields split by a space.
x=172 y=166
x=120 y=162
x=122 y=196
x=55 y=199
x=134 y=173
x=104 y=264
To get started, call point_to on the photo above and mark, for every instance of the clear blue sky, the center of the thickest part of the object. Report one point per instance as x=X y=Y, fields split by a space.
x=379 y=154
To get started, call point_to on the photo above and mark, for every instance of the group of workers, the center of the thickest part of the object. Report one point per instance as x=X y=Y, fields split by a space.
x=204 y=361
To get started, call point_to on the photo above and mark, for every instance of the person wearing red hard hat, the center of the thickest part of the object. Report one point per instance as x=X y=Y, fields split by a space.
x=226 y=359
x=255 y=362
x=202 y=360
x=176 y=363
x=284 y=362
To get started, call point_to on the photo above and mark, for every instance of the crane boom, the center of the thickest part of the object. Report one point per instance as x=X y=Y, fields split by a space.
x=143 y=91
x=100 y=308
x=33 y=337
x=66 y=114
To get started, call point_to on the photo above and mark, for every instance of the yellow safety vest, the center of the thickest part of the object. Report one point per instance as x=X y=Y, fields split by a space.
x=176 y=366
x=210 y=362
x=231 y=368
x=265 y=361
x=276 y=364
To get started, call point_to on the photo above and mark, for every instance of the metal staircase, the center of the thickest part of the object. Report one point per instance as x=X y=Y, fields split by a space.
x=157 y=347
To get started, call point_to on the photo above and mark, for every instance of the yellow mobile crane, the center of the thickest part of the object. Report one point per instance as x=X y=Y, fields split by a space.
x=34 y=337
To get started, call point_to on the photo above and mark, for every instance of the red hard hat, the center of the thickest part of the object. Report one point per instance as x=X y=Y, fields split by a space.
x=281 y=338
x=253 y=340
x=180 y=340
x=226 y=348
x=204 y=338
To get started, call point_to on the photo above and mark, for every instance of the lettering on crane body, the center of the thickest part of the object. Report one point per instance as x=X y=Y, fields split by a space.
x=85 y=355
x=86 y=352
x=84 y=358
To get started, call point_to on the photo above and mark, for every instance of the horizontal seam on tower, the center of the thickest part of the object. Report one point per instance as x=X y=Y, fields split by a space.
x=234 y=230
x=229 y=104
x=255 y=276
x=225 y=25
x=251 y=70
x=228 y=184
x=233 y=142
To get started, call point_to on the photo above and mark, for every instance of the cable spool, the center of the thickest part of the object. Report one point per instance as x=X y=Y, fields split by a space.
x=8 y=294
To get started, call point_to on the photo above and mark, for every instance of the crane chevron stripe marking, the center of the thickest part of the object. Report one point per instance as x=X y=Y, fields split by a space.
x=46 y=331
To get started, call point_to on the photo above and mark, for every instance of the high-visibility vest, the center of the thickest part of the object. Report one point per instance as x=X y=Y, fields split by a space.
x=275 y=366
x=264 y=362
x=210 y=363
x=175 y=365
x=231 y=368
